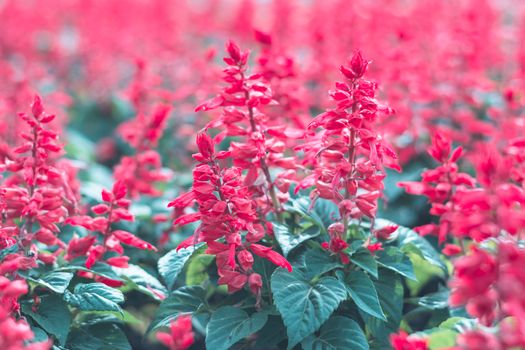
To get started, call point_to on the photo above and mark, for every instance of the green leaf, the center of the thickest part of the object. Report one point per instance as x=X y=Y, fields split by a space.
x=289 y=239
x=52 y=314
x=9 y=250
x=185 y=300
x=305 y=306
x=39 y=335
x=364 y=294
x=142 y=281
x=365 y=260
x=338 y=333
x=56 y=281
x=95 y=297
x=271 y=334
x=99 y=268
x=197 y=266
x=316 y=262
x=408 y=240
x=229 y=324
x=171 y=264
x=435 y=301
x=301 y=206
x=327 y=211
x=94 y=317
x=395 y=260
x=459 y=324
x=101 y=336
x=442 y=339
x=390 y=293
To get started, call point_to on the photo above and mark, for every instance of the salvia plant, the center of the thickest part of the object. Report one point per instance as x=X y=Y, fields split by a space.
x=267 y=175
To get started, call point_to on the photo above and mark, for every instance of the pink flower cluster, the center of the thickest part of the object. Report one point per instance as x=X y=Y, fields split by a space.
x=113 y=210
x=349 y=154
x=227 y=211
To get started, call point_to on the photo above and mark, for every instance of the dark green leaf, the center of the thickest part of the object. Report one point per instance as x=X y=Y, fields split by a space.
x=99 y=268
x=273 y=333
x=171 y=264
x=9 y=250
x=316 y=262
x=229 y=324
x=338 y=333
x=390 y=293
x=365 y=260
x=95 y=297
x=56 y=281
x=101 y=336
x=393 y=259
x=305 y=306
x=364 y=294
x=327 y=211
x=185 y=300
x=142 y=281
x=52 y=314
x=301 y=206
x=408 y=240
x=289 y=239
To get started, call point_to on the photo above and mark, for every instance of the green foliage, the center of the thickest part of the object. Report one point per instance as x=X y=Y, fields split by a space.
x=100 y=336
x=229 y=324
x=185 y=300
x=52 y=314
x=364 y=294
x=338 y=333
x=305 y=305
x=94 y=297
x=171 y=264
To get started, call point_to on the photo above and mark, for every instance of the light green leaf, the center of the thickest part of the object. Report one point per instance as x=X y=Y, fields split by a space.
x=196 y=271
x=442 y=339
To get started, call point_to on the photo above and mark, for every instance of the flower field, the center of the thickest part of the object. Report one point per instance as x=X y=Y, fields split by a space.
x=262 y=174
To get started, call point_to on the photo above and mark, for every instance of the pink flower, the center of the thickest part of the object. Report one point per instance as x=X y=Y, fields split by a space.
x=402 y=341
x=180 y=336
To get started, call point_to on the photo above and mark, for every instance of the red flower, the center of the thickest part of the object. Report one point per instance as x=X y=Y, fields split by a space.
x=180 y=336
x=402 y=341
x=268 y=253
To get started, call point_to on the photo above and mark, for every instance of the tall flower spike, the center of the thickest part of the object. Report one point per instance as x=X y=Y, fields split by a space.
x=95 y=247
x=349 y=153
x=229 y=223
x=259 y=145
